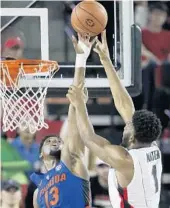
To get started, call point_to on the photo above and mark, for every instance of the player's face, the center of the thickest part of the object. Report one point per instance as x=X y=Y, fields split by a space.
x=52 y=146
x=157 y=17
x=12 y=196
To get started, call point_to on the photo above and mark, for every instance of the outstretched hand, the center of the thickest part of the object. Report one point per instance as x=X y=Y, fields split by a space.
x=101 y=48
x=77 y=95
x=83 y=45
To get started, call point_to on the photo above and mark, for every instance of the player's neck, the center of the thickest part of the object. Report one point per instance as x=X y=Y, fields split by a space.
x=154 y=28
x=50 y=163
x=138 y=145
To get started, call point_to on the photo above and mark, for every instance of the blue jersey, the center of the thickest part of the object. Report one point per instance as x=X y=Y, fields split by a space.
x=60 y=188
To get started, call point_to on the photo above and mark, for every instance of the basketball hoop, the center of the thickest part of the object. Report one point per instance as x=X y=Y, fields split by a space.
x=24 y=107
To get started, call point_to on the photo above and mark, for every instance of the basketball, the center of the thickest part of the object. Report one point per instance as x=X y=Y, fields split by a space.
x=89 y=17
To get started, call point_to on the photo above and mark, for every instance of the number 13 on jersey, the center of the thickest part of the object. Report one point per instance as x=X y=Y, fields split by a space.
x=54 y=193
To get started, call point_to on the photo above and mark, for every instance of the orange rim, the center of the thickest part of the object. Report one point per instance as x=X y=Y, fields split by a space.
x=29 y=67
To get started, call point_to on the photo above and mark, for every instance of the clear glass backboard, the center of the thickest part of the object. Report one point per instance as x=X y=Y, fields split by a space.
x=45 y=30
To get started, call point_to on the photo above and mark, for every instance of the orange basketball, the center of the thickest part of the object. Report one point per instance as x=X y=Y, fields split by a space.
x=89 y=17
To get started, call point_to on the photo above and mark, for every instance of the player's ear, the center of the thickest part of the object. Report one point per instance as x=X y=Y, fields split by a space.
x=132 y=138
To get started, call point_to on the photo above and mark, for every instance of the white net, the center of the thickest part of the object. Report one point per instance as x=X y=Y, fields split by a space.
x=24 y=107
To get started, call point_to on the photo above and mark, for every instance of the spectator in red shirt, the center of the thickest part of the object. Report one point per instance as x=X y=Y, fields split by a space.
x=155 y=50
x=156 y=41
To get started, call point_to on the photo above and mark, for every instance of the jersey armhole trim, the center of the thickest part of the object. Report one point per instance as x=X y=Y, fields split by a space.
x=134 y=161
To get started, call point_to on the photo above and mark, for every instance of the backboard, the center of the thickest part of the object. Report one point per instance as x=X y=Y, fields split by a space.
x=45 y=30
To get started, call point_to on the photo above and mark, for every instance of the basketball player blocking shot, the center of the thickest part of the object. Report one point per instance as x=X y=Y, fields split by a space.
x=66 y=182
x=135 y=165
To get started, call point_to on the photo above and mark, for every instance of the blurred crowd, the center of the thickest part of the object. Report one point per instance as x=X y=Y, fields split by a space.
x=154 y=20
x=20 y=149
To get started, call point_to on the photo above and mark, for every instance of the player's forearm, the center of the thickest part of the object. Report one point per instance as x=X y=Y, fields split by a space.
x=79 y=75
x=122 y=100
x=80 y=69
x=86 y=128
x=70 y=133
x=71 y=125
x=114 y=155
x=91 y=140
x=83 y=122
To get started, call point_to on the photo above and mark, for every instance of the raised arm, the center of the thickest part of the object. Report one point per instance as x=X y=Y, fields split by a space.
x=73 y=151
x=122 y=100
x=116 y=156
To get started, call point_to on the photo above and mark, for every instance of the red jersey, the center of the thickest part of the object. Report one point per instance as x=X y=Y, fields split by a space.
x=158 y=43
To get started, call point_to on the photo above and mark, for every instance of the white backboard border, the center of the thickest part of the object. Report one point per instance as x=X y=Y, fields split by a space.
x=127 y=19
x=42 y=13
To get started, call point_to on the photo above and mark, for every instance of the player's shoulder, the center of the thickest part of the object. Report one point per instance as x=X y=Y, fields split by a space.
x=119 y=157
x=36 y=192
x=62 y=167
x=35 y=195
x=79 y=173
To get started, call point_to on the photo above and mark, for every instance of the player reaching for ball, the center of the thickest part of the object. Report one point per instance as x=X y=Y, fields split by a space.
x=66 y=181
x=135 y=173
